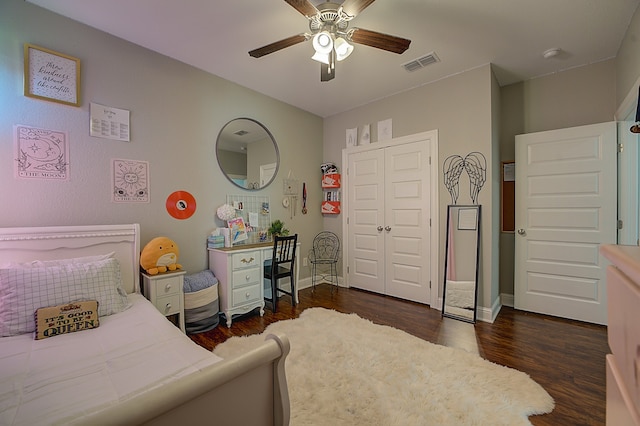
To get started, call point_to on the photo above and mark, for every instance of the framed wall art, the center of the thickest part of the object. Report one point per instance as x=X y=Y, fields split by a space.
x=51 y=76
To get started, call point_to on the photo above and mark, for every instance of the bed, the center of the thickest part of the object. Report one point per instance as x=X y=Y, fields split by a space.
x=135 y=367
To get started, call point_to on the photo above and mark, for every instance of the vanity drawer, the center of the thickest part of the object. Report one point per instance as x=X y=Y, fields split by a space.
x=624 y=329
x=245 y=260
x=244 y=295
x=245 y=277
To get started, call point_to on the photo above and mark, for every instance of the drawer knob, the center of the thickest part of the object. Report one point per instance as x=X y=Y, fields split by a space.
x=168 y=287
x=167 y=307
x=247 y=295
x=247 y=277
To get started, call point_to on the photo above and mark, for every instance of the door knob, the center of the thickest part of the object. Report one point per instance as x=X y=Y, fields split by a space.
x=521 y=232
x=387 y=228
x=379 y=228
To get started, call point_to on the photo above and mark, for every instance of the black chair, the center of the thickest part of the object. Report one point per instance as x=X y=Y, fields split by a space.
x=325 y=251
x=282 y=266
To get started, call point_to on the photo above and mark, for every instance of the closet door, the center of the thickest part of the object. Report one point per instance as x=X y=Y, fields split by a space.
x=406 y=221
x=388 y=221
x=366 y=220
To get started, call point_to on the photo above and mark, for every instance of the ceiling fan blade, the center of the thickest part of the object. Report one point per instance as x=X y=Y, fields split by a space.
x=304 y=6
x=278 y=45
x=353 y=7
x=326 y=73
x=379 y=40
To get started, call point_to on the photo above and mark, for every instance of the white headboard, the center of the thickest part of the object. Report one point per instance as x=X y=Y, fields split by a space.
x=64 y=242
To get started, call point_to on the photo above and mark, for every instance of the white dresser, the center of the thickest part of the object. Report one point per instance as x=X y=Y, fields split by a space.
x=239 y=271
x=623 y=364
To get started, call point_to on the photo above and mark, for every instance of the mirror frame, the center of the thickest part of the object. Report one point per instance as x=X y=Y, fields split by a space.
x=268 y=134
x=450 y=232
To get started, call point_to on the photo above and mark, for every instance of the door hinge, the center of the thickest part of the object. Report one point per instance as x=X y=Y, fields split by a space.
x=620 y=147
x=429 y=160
x=620 y=224
x=429 y=284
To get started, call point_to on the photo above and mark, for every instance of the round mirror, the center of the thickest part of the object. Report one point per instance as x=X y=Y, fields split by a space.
x=247 y=153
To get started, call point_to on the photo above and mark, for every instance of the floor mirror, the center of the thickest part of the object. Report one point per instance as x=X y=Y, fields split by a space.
x=462 y=254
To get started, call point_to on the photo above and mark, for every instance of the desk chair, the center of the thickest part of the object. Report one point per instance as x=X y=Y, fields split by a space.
x=282 y=266
x=325 y=251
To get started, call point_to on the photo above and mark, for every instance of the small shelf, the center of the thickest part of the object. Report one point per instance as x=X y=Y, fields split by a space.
x=331 y=195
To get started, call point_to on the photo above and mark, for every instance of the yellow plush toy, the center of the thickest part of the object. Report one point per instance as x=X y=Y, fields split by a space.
x=160 y=255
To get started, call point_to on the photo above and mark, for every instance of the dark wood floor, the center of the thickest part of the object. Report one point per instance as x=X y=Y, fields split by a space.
x=566 y=357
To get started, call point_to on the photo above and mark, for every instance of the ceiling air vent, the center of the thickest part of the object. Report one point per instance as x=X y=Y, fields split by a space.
x=416 y=64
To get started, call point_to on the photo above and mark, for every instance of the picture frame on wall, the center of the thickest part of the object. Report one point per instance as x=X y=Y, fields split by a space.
x=51 y=76
x=352 y=137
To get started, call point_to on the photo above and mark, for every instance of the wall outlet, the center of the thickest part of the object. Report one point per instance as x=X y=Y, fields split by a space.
x=305 y=261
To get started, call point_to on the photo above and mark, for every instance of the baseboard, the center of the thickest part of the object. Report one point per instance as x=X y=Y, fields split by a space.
x=307 y=283
x=304 y=283
x=489 y=314
x=507 y=300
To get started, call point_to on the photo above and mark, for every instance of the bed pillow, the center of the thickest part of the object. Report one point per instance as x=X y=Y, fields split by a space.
x=24 y=290
x=67 y=318
x=57 y=262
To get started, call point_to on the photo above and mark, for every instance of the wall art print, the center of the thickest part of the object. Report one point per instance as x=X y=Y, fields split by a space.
x=51 y=75
x=130 y=181
x=40 y=153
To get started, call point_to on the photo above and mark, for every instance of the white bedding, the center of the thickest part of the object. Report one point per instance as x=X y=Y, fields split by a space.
x=50 y=380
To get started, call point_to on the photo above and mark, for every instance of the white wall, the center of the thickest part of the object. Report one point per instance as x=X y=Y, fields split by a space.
x=176 y=114
x=628 y=60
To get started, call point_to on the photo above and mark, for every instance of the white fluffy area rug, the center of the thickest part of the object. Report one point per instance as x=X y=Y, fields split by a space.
x=345 y=370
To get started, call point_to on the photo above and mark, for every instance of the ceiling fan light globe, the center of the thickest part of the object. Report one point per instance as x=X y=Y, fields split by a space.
x=343 y=48
x=321 y=57
x=322 y=42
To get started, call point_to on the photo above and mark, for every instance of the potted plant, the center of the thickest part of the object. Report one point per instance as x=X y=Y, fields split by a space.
x=277 y=228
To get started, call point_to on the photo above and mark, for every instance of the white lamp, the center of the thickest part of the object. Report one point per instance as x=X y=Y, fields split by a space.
x=321 y=57
x=323 y=42
x=343 y=48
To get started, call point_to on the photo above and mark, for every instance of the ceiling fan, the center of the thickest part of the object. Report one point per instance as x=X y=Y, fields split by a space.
x=331 y=35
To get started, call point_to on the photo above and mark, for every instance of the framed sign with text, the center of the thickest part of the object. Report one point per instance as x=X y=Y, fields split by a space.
x=51 y=76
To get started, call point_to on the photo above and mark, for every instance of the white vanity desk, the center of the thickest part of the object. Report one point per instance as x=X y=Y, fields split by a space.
x=239 y=270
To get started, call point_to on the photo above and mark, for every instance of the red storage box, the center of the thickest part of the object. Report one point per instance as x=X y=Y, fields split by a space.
x=331 y=207
x=331 y=180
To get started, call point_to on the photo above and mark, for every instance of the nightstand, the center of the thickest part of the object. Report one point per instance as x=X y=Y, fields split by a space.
x=164 y=291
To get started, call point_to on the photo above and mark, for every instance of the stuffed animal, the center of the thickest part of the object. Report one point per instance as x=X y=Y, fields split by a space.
x=160 y=255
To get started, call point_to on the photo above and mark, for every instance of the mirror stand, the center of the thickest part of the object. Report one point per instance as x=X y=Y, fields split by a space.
x=461 y=264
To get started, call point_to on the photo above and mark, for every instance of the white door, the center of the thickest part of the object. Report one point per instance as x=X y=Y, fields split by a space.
x=389 y=210
x=266 y=173
x=406 y=216
x=565 y=208
x=366 y=220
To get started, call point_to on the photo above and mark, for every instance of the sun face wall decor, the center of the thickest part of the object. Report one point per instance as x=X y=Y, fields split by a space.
x=130 y=181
